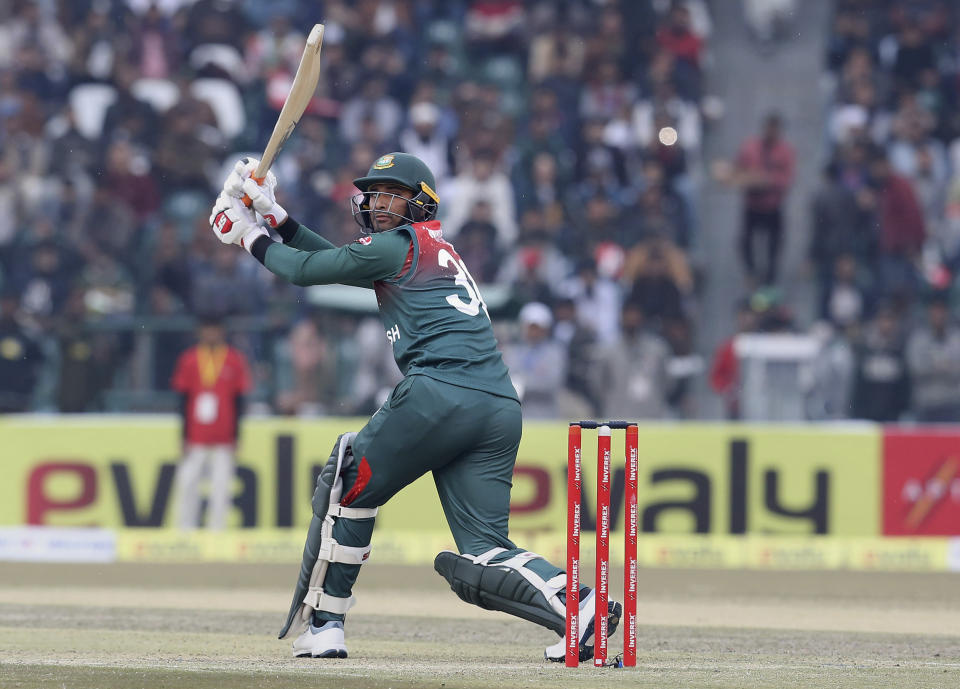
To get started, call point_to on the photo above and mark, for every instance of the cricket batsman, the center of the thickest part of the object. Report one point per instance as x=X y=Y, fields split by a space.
x=454 y=414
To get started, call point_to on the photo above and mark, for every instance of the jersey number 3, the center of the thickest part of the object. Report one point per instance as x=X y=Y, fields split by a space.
x=465 y=280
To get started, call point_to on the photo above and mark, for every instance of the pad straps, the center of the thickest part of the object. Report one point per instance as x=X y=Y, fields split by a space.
x=318 y=600
x=331 y=551
x=338 y=510
x=484 y=558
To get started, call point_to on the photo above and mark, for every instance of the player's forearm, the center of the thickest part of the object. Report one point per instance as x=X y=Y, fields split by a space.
x=347 y=265
x=304 y=267
x=301 y=237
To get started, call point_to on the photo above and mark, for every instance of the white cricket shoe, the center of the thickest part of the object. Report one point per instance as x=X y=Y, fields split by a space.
x=557 y=652
x=325 y=641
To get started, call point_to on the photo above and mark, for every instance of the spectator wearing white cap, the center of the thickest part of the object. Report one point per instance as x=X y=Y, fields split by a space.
x=424 y=138
x=537 y=363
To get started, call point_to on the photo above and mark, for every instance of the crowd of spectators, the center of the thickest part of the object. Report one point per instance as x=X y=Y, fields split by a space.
x=885 y=221
x=886 y=241
x=564 y=137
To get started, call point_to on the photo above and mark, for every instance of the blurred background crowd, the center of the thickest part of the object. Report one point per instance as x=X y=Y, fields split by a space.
x=118 y=120
x=883 y=225
x=885 y=219
x=567 y=138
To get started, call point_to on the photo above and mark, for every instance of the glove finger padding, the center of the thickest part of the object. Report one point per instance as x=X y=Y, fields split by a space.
x=233 y=186
x=243 y=171
x=263 y=201
x=246 y=165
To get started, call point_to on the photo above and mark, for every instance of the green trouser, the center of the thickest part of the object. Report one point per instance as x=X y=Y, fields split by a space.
x=467 y=438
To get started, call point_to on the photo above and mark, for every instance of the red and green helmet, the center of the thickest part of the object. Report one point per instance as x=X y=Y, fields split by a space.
x=407 y=171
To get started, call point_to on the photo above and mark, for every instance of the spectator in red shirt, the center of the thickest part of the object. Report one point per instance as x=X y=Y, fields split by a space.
x=213 y=378
x=899 y=222
x=678 y=39
x=764 y=169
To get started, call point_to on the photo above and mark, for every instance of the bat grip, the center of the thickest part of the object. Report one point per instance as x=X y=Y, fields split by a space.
x=247 y=201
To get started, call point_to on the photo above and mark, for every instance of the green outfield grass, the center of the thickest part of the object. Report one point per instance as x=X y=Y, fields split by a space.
x=126 y=626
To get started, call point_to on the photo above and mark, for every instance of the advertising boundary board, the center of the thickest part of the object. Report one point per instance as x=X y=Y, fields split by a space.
x=284 y=546
x=921 y=481
x=117 y=472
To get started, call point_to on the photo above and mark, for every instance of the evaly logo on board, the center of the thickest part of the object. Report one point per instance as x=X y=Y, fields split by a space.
x=921 y=483
x=692 y=479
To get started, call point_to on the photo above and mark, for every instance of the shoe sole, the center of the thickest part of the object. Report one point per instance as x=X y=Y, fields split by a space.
x=332 y=653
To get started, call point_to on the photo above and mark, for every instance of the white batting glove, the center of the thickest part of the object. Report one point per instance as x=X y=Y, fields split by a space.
x=233 y=223
x=262 y=196
x=263 y=201
x=242 y=171
x=222 y=203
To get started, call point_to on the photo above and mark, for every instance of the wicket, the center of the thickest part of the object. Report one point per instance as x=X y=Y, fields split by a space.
x=574 y=497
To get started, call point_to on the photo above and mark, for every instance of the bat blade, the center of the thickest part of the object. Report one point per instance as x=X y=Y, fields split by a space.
x=301 y=91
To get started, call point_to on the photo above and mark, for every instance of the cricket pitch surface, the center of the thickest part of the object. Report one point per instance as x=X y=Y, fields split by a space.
x=123 y=626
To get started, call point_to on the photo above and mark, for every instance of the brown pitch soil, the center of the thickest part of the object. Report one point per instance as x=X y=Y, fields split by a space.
x=128 y=626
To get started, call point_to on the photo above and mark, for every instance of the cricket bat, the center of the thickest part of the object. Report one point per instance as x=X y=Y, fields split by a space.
x=301 y=91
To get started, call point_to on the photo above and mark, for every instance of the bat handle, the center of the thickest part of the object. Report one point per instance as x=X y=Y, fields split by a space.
x=247 y=201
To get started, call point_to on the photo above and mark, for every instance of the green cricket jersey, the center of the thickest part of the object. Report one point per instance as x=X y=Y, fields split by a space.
x=429 y=304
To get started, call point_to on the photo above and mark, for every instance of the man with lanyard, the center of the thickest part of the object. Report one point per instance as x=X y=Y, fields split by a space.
x=212 y=378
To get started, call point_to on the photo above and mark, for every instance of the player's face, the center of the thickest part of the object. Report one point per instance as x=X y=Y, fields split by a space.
x=389 y=205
